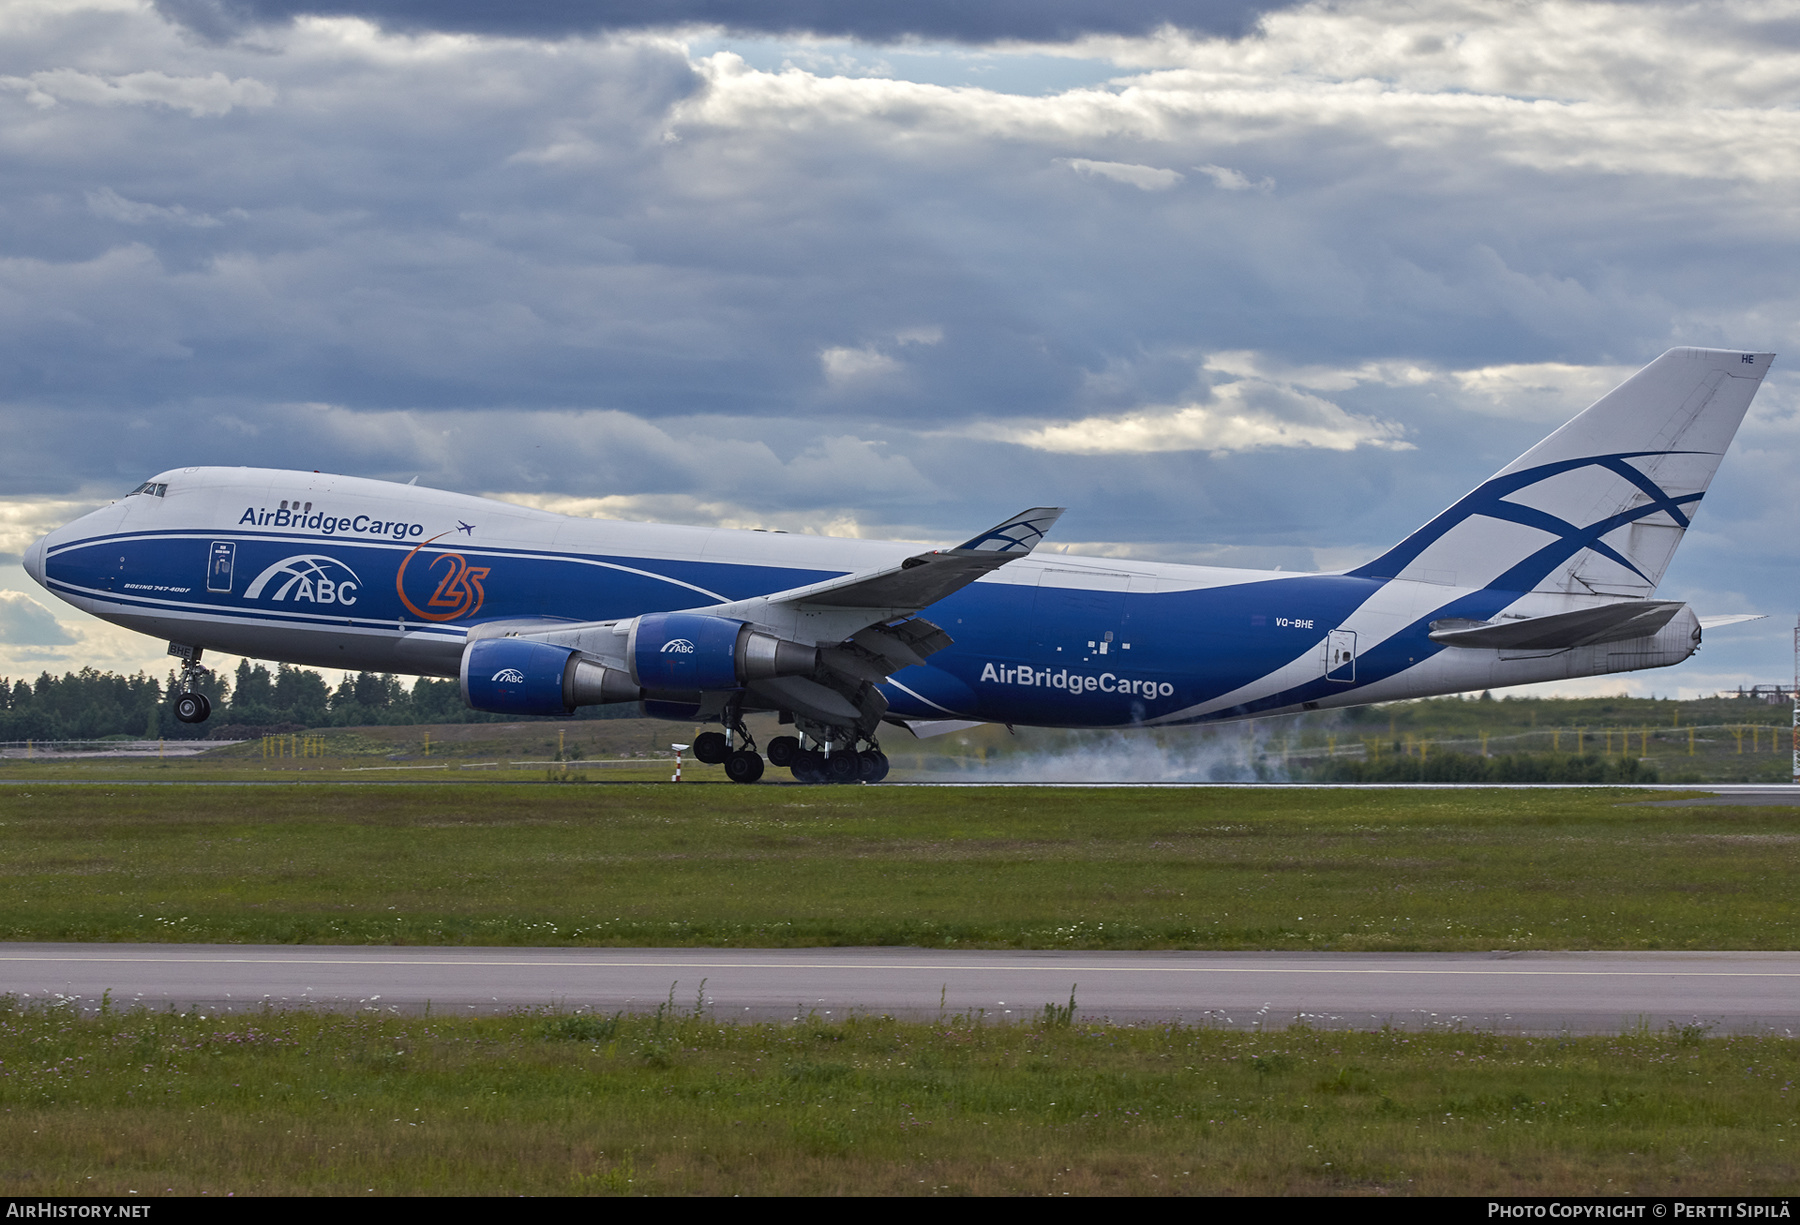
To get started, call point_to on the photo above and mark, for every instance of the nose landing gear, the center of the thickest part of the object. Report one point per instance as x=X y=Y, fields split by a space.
x=191 y=706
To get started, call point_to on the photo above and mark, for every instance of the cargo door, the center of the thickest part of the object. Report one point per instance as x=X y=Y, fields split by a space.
x=1340 y=656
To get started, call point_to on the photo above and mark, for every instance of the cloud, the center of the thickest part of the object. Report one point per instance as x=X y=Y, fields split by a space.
x=111 y=205
x=1227 y=179
x=1144 y=178
x=1541 y=391
x=25 y=622
x=1248 y=415
x=570 y=453
x=843 y=365
x=1038 y=21
x=560 y=251
x=847 y=367
x=210 y=95
x=23 y=520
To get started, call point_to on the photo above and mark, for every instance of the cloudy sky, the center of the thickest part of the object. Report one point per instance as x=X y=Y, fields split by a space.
x=1236 y=282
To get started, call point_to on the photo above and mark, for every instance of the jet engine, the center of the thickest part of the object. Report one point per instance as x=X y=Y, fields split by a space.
x=669 y=655
x=689 y=652
x=518 y=676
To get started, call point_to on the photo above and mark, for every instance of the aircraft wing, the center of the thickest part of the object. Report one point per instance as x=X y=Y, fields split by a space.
x=862 y=626
x=924 y=578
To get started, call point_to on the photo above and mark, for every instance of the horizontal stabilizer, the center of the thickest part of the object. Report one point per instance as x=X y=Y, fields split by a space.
x=1714 y=622
x=1560 y=631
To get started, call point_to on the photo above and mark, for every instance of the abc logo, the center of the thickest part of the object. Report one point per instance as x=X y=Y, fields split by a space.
x=310 y=578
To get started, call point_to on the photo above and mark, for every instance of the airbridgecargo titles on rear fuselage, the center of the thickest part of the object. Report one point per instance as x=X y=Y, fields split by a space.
x=1546 y=571
x=1062 y=678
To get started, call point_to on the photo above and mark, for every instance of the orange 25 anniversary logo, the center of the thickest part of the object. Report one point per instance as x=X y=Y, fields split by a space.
x=459 y=592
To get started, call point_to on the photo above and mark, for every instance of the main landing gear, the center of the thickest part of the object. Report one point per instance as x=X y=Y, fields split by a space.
x=827 y=764
x=734 y=748
x=191 y=706
x=826 y=761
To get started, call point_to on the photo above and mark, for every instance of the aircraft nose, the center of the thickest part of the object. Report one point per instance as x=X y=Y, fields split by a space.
x=34 y=559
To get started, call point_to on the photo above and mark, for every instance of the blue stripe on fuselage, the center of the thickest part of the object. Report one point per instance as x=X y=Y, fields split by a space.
x=1021 y=653
x=170 y=570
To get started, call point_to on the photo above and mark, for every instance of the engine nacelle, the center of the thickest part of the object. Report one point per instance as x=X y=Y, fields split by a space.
x=519 y=676
x=689 y=652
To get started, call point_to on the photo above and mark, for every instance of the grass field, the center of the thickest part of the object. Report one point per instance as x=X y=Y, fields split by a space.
x=677 y=1102
x=298 y=1103
x=658 y=865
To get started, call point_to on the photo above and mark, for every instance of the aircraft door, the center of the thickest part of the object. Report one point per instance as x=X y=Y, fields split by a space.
x=219 y=560
x=1340 y=656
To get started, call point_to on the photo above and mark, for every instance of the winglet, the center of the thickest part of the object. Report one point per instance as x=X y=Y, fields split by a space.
x=1019 y=534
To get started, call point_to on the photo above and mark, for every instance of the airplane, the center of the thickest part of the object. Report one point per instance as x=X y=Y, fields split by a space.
x=1546 y=571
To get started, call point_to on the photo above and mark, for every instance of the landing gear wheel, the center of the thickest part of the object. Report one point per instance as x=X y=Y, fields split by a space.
x=190 y=706
x=808 y=766
x=782 y=750
x=743 y=766
x=710 y=748
x=842 y=767
x=873 y=765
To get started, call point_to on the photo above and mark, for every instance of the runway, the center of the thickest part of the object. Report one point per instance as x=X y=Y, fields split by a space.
x=1516 y=993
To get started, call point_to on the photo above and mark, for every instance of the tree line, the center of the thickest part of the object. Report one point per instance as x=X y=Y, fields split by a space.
x=90 y=705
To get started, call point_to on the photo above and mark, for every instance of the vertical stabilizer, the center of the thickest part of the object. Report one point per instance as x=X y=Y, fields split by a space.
x=1598 y=507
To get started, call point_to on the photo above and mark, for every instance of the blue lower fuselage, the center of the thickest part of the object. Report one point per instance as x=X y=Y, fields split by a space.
x=393 y=579
x=1024 y=653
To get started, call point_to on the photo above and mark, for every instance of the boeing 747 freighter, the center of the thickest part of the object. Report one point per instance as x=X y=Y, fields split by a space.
x=1546 y=571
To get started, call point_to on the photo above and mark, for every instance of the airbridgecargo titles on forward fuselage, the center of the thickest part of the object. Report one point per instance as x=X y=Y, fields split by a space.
x=328 y=525
x=1547 y=570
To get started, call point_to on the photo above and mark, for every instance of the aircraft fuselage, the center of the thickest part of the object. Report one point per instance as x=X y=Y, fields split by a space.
x=343 y=572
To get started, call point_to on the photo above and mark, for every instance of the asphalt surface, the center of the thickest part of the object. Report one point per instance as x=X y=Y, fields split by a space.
x=1531 y=992
x=1735 y=797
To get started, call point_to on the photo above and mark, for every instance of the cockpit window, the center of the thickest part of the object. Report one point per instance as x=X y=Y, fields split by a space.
x=151 y=488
